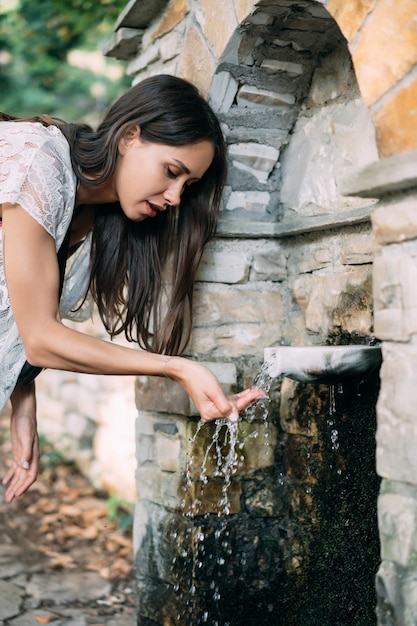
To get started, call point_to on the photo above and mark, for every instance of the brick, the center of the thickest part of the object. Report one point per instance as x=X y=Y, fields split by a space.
x=396 y=122
x=350 y=15
x=387 y=48
x=197 y=63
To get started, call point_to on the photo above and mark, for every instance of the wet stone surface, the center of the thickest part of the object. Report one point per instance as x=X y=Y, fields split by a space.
x=62 y=560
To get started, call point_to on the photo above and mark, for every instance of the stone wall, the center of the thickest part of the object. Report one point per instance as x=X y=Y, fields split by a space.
x=291 y=264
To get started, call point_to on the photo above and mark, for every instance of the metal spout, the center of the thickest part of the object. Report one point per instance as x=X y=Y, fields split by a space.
x=322 y=364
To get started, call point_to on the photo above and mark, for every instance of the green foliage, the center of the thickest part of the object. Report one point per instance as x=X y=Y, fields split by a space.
x=120 y=511
x=37 y=75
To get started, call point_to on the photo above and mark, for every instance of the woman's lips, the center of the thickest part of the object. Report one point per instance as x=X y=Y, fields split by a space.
x=152 y=209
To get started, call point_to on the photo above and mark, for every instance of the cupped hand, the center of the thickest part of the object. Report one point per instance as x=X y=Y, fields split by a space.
x=204 y=389
x=25 y=456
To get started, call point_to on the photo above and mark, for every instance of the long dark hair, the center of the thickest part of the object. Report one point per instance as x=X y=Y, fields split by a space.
x=129 y=259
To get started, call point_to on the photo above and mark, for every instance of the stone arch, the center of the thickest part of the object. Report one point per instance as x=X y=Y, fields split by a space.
x=286 y=92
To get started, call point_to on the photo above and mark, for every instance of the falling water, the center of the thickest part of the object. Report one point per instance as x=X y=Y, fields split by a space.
x=225 y=449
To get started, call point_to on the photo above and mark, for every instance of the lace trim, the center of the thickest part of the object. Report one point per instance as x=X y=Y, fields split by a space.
x=36 y=173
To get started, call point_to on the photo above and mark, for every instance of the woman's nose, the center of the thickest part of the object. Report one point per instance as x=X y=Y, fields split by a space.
x=173 y=194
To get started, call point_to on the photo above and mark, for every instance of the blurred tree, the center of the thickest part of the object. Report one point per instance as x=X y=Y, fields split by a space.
x=40 y=70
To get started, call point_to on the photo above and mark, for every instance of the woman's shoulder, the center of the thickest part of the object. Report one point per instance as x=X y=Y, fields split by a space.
x=31 y=134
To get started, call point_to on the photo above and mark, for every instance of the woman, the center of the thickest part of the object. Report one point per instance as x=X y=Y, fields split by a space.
x=131 y=206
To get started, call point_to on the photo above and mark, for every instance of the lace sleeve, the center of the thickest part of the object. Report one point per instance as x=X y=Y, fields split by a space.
x=36 y=173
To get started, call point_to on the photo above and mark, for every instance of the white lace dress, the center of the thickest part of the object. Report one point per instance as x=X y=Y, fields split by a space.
x=36 y=173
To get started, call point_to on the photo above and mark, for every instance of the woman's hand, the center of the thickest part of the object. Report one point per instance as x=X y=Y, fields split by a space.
x=205 y=391
x=25 y=443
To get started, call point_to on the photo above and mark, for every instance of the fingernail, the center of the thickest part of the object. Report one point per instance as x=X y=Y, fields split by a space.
x=234 y=416
x=25 y=465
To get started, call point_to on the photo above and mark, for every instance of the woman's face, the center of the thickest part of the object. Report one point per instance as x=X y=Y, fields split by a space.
x=151 y=177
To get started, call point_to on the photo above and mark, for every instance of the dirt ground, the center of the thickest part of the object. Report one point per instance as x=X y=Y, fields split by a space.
x=67 y=525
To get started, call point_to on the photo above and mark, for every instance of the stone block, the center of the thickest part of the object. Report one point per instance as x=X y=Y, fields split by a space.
x=170 y=46
x=257 y=159
x=250 y=96
x=322 y=146
x=212 y=498
x=253 y=201
x=161 y=488
x=397 y=517
x=274 y=65
x=222 y=92
x=197 y=63
x=388 y=591
x=341 y=299
x=389 y=29
x=172 y=15
x=395 y=296
x=333 y=78
x=167 y=449
x=260 y=19
x=350 y=15
x=396 y=221
x=395 y=121
x=358 y=248
x=147 y=57
x=249 y=447
x=162 y=395
x=217 y=28
x=396 y=435
x=269 y=262
x=243 y=8
x=123 y=44
x=306 y=257
x=224 y=263
x=236 y=322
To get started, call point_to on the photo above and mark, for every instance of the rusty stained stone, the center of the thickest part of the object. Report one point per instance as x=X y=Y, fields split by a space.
x=297 y=457
x=386 y=49
x=350 y=15
x=175 y=12
x=197 y=63
x=201 y=498
x=396 y=122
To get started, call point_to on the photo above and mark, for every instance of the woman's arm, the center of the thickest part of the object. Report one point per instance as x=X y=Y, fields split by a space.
x=25 y=443
x=32 y=279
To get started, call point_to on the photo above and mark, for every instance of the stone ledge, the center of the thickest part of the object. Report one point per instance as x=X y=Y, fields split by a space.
x=123 y=44
x=295 y=226
x=396 y=173
x=139 y=14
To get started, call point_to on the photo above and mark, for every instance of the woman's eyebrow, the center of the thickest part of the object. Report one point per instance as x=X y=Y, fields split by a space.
x=182 y=166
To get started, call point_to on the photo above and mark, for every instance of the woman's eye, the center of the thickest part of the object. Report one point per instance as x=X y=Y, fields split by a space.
x=170 y=173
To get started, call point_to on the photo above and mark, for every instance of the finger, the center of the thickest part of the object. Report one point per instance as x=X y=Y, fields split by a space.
x=247 y=397
x=21 y=482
